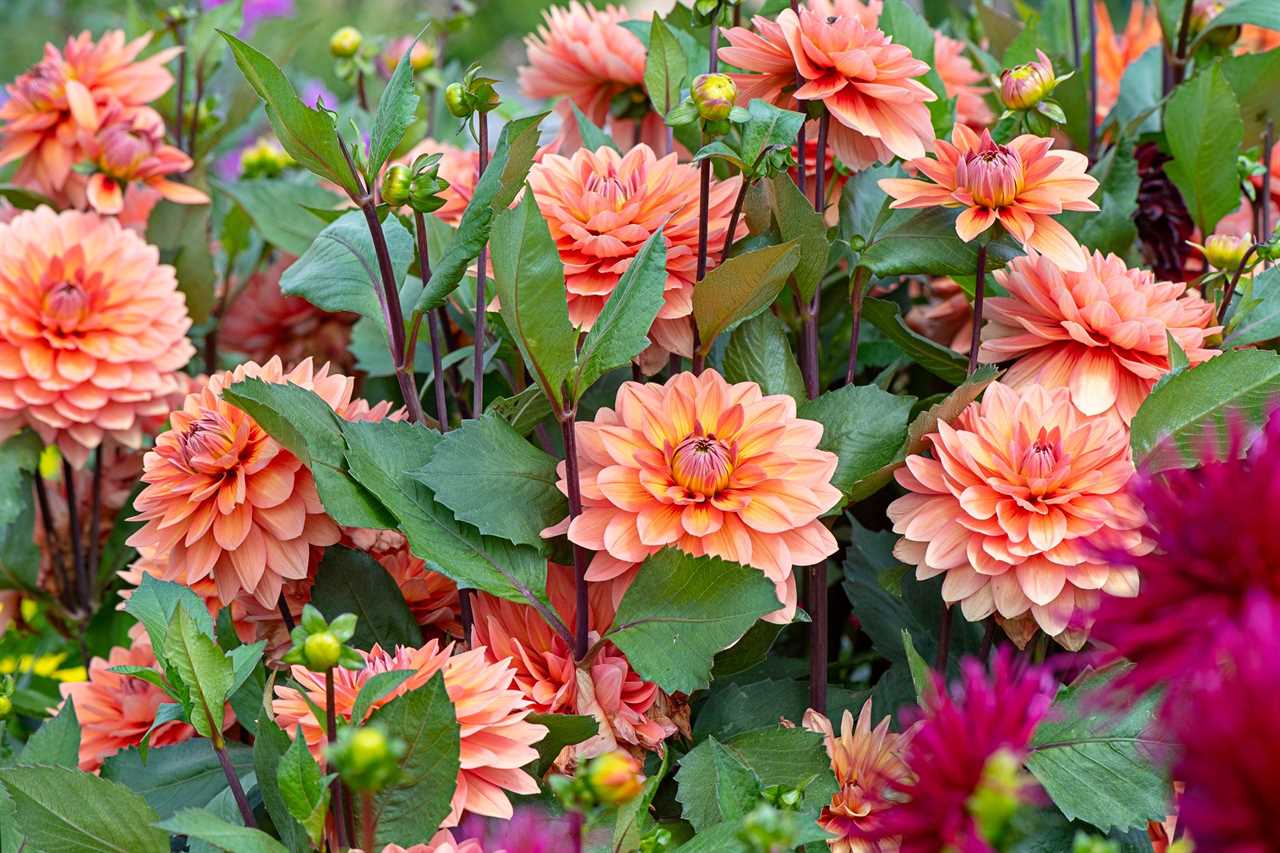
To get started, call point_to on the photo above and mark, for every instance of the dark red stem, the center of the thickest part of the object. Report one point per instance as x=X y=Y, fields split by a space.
x=437 y=368
x=944 y=639
x=579 y=553
x=233 y=781
x=95 y=525
x=51 y=538
x=73 y=529
x=856 y=289
x=482 y=274
x=1235 y=280
x=979 y=288
x=337 y=800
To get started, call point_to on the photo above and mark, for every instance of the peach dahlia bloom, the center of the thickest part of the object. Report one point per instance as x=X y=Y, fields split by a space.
x=601 y=207
x=866 y=82
x=459 y=167
x=226 y=501
x=1116 y=52
x=92 y=331
x=431 y=596
x=1102 y=333
x=130 y=148
x=607 y=687
x=1022 y=186
x=867 y=763
x=709 y=468
x=962 y=81
x=51 y=103
x=496 y=739
x=1021 y=495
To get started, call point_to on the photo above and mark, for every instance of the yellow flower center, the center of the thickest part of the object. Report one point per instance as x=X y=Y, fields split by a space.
x=993 y=176
x=702 y=464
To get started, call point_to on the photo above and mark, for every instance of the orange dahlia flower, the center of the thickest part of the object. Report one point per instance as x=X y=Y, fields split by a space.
x=459 y=167
x=866 y=82
x=115 y=710
x=1022 y=185
x=867 y=763
x=606 y=687
x=601 y=207
x=129 y=148
x=1116 y=52
x=945 y=316
x=706 y=467
x=496 y=740
x=50 y=104
x=962 y=81
x=1021 y=496
x=92 y=331
x=226 y=501
x=432 y=597
x=1102 y=333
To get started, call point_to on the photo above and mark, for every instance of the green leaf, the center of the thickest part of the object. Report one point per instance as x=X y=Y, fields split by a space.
x=309 y=135
x=1112 y=229
x=353 y=582
x=759 y=352
x=741 y=286
x=768 y=127
x=303 y=422
x=57 y=741
x=1097 y=765
x=798 y=221
x=592 y=136
x=734 y=787
x=1140 y=94
x=181 y=233
x=62 y=810
x=23 y=198
x=863 y=425
x=269 y=749
x=1258 y=319
x=380 y=454
x=523 y=411
x=1255 y=78
x=732 y=708
x=425 y=720
x=942 y=362
x=397 y=108
x=153 y=604
x=19 y=556
x=529 y=278
x=278 y=210
x=208 y=827
x=919 y=242
x=621 y=332
x=303 y=787
x=205 y=672
x=1171 y=426
x=562 y=730
x=681 y=610
x=1203 y=127
x=494 y=192
x=339 y=271
x=665 y=67
x=492 y=478
x=1260 y=13
x=185 y=775
x=376 y=688
x=920 y=672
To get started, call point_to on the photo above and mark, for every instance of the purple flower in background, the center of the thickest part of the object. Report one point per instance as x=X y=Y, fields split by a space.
x=256 y=11
x=314 y=90
x=530 y=830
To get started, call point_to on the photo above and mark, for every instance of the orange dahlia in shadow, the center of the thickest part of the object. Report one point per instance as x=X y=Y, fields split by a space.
x=92 y=331
x=867 y=83
x=497 y=741
x=706 y=467
x=606 y=687
x=1021 y=497
x=432 y=597
x=1021 y=186
x=867 y=763
x=601 y=207
x=51 y=103
x=1103 y=332
x=226 y=501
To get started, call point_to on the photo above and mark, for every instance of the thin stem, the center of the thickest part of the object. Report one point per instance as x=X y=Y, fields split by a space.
x=855 y=310
x=579 y=553
x=482 y=274
x=1264 y=207
x=1075 y=33
x=367 y=822
x=233 y=781
x=51 y=538
x=809 y=357
x=361 y=95
x=820 y=164
x=704 y=197
x=73 y=528
x=336 y=800
x=394 y=316
x=1179 y=65
x=944 y=639
x=95 y=525
x=286 y=616
x=437 y=368
x=1235 y=280
x=988 y=637
x=801 y=140
x=734 y=217
x=818 y=637
x=1093 y=80
x=979 y=288
x=195 y=111
x=465 y=616
x=180 y=96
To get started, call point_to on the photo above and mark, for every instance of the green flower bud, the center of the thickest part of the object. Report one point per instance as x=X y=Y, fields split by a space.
x=395 y=185
x=1224 y=252
x=322 y=650
x=50 y=464
x=366 y=758
x=344 y=43
x=767 y=829
x=714 y=96
x=6 y=707
x=424 y=192
x=455 y=100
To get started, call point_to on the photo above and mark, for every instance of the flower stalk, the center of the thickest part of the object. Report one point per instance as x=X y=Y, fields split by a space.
x=233 y=781
x=433 y=326
x=979 y=289
x=581 y=602
x=337 y=795
x=73 y=531
x=482 y=274
x=856 y=289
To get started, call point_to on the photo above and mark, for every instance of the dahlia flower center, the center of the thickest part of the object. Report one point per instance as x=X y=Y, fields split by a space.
x=993 y=176
x=124 y=150
x=1044 y=456
x=702 y=464
x=65 y=306
x=614 y=191
x=210 y=443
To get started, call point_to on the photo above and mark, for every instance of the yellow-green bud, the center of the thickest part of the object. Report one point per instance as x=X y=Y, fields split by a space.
x=996 y=799
x=322 y=651
x=395 y=185
x=345 y=42
x=50 y=464
x=366 y=758
x=1224 y=252
x=615 y=777
x=6 y=707
x=714 y=95
x=369 y=747
x=455 y=99
x=1024 y=86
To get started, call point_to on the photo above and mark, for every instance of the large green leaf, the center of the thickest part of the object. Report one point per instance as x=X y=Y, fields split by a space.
x=205 y=672
x=740 y=287
x=1096 y=763
x=182 y=234
x=1203 y=127
x=1255 y=78
x=278 y=210
x=491 y=477
x=153 y=604
x=665 y=67
x=943 y=362
x=1260 y=13
x=621 y=331
x=494 y=192
x=863 y=425
x=339 y=271
x=759 y=352
x=797 y=220
x=767 y=127
x=185 y=775
x=397 y=108
x=308 y=134
x=353 y=582
x=212 y=829
x=57 y=741
x=681 y=610
x=269 y=749
x=924 y=242
x=61 y=810
x=425 y=720
x=19 y=556
x=1171 y=426
x=1257 y=318
x=302 y=787
x=529 y=278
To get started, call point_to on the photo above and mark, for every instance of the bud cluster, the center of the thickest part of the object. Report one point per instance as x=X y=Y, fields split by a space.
x=610 y=780
x=419 y=186
x=320 y=646
x=473 y=94
x=265 y=158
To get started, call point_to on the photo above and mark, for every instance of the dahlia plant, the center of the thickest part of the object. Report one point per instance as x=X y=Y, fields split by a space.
x=843 y=424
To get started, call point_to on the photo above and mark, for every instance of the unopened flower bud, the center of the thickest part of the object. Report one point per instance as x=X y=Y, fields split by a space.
x=421 y=57
x=323 y=651
x=50 y=464
x=615 y=777
x=766 y=828
x=6 y=707
x=425 y=192
x=998 y=795
x=395 y=185
x=455 y=99
x=1024 y=86
x=1224 y=252
x=344 y=43
x=366 y=758
x=714 y=95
